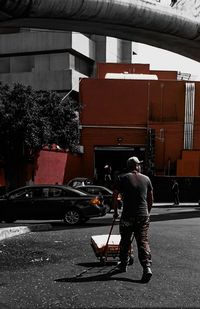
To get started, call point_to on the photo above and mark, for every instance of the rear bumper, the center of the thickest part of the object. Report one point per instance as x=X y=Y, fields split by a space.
x=100 y=212
x=103 y=211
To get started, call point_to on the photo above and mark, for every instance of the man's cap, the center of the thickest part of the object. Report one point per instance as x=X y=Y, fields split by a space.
x=132 y=161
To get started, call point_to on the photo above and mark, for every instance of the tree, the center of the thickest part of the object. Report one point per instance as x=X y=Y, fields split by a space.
x=30 y=120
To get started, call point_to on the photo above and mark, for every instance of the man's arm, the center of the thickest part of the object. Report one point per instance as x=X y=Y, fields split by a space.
x=149 y=199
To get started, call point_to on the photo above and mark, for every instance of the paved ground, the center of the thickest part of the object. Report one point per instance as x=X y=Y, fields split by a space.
x=22 y=227
x=58 y=268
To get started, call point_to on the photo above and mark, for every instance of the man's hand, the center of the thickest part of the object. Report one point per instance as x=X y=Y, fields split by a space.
x=116 y=215
x=115 y=204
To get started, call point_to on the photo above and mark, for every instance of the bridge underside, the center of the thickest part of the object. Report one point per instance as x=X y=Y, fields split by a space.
x=158 y=26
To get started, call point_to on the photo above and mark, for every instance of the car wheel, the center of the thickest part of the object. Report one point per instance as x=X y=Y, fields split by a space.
x=72 y=217
x=103 y=260
x=108 y=208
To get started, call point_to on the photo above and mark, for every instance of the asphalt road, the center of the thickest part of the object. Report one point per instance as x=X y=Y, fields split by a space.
x=58 y=268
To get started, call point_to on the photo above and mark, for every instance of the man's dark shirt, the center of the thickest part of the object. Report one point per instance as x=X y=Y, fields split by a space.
x=134 y=188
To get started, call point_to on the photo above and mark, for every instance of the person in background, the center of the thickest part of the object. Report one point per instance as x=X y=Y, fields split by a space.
x=107 y=175
x=137 y=193
x=175 y=191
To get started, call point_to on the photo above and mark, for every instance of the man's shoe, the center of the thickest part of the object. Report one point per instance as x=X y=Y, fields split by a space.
x=147 y=274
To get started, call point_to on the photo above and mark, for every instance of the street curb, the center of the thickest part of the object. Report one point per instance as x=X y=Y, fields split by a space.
x=8 y=232
x=170 y=205
x=40 y=227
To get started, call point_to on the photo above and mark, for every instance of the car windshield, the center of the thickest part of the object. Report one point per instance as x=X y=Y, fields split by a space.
x=79 y=182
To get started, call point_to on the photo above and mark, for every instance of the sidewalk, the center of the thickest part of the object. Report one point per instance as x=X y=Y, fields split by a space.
x=165 y=205
x=9 y=230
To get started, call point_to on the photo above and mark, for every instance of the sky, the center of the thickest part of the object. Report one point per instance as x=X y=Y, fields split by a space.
x=160 y=59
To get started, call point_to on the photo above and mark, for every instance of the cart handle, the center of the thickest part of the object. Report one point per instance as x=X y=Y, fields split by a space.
x=106 y=246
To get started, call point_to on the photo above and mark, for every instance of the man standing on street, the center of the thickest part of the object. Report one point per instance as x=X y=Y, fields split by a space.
x=137 y=194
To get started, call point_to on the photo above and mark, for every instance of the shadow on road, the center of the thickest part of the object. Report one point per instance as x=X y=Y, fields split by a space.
x=175 y=216
x=90 y=224
x=107 y=220
x=101 y=277
x=178 y=215
x=101 y=274
x=109 y=275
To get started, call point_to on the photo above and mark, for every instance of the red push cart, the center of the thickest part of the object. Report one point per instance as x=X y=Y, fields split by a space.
x=106 y=247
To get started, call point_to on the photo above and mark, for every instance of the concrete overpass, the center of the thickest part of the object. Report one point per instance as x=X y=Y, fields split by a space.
x=170 y=28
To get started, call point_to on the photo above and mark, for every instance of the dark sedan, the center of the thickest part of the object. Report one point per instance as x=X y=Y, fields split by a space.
x=106 y=193
x=50 y=202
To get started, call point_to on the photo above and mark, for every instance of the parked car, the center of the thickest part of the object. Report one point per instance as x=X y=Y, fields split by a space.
x=50 y=202
x=103 y=191
x=79 y=181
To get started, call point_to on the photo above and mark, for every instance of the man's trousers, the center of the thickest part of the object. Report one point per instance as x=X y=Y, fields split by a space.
x=135 y=227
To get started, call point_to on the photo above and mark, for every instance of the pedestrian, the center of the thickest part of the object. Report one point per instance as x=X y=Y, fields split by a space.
x=107 y=175
x=175 y=192
x=137 y=193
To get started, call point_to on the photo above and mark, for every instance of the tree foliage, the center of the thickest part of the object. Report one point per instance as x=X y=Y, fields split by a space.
x=30 y=120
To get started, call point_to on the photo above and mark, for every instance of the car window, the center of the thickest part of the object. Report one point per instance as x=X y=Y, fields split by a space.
x=47 y=192
x=21 y=194
x=105 y=192
x=88 y=190
x=70 y=193
x=37 y=193
x=93 y=190
x=73 y=192
x=55 y=192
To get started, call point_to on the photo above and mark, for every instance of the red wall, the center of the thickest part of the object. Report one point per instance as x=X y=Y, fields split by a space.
x=135 y=68
x=136 y=103
x=189 y=164
x=124 y=109
x=114 y=102
x=172 y=75
x=51 y=167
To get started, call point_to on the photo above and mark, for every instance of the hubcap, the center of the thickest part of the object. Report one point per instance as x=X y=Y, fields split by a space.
x=72 y=217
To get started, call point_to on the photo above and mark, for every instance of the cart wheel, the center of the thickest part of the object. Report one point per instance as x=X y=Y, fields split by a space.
x=131 y=260
x=102 y=260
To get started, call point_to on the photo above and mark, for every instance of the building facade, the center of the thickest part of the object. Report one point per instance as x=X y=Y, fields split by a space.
x=155 y=119
x=57 y=61
x=132 y=113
